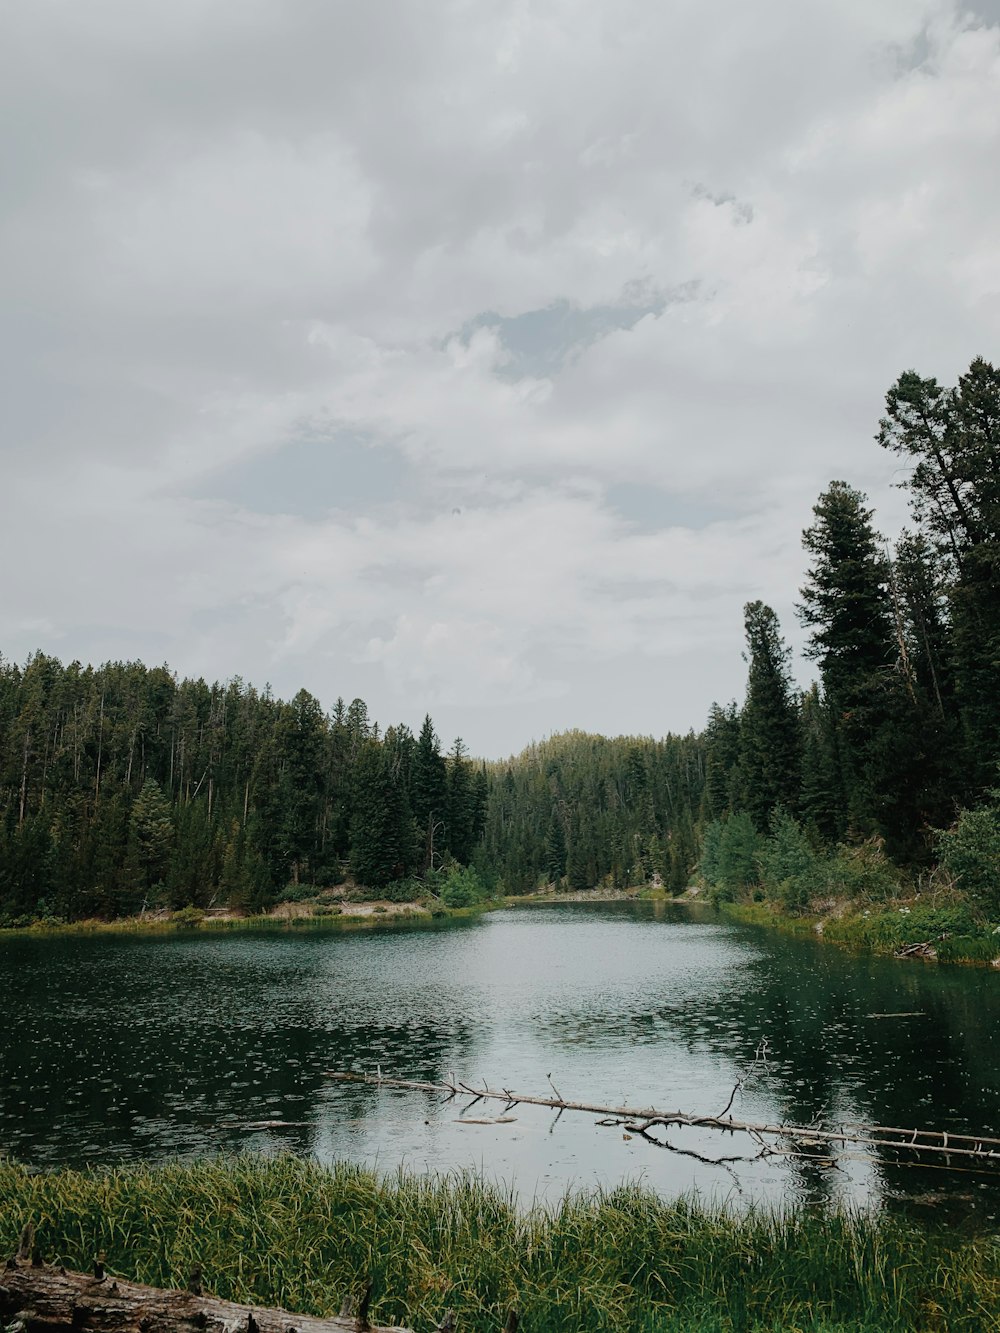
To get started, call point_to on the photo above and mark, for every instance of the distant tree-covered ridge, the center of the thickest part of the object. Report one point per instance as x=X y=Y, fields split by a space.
x=123 y=788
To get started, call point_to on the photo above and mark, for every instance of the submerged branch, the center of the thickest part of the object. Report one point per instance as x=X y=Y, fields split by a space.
x=642 y=1119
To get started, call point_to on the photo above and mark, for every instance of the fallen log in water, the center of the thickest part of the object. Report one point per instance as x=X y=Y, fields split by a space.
x=41 y=1299
x=642 y=1120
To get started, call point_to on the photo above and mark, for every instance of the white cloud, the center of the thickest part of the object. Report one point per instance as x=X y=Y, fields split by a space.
x=232 y=227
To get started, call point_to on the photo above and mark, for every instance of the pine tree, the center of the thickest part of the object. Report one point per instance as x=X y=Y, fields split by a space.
x=845 y=603
x=555 y=848
x=151 y=830
x=952 y=437
x=380 y=828
x=461 y=809
x=429 y=794
x=769 y=725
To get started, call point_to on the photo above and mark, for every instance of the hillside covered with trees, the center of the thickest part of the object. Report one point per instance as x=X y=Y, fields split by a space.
x=122 y=787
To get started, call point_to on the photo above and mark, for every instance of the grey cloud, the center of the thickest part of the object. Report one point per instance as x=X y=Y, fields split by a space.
x=238 y=240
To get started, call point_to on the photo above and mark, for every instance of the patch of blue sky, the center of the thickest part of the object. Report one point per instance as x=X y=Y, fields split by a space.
x=651 y=509
x=539 y=342
x=313 y=476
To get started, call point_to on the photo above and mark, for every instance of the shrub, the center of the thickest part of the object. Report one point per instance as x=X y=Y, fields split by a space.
x=788 y=864
x=462 y=888
x=970 y=851
x=739 y=848
x=188 y=916
x=863 y=871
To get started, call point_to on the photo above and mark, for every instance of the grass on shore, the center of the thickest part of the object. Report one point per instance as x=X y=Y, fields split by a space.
x=170 y=925
x=289 y=1232
x=887 y=929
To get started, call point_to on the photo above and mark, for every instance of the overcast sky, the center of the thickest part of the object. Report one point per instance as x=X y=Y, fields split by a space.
x=478 y=358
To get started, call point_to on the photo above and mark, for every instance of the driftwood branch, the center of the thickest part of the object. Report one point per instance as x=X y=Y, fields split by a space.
x=640 y=1120
x=51 y=1300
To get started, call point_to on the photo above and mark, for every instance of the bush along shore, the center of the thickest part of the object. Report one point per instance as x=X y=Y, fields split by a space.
x=441 y=894
x=854 y=896
x=283 y=1231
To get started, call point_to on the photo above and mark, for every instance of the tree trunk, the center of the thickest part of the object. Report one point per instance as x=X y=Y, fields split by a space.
x=50 y=1300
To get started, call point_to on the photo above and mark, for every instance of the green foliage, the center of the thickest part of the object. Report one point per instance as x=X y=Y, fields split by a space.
x=586 y=809
x=188 y=916
x=788 y=862
x=971 y=853
x=122 y=787
x=739 y=851
x=952 y=928
x=408 y=890
x=770 y=734
x=286 y=1232
x=862 y=872
x=462 y=888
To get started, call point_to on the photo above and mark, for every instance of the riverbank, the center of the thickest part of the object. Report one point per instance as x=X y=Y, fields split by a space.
x=289 y=1232
x=935 y=929
x=290 y=916
x=325 y=911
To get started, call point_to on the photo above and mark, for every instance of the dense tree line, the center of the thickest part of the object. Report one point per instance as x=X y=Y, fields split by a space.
x=122 y=786
x=901 y=732
x=580 y=810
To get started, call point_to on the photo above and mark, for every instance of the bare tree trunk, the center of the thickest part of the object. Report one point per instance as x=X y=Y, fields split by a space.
x=24 y=776
x=100 y=748
x=50 y=1300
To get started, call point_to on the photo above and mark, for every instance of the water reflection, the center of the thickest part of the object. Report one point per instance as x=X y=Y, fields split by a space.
x=120 y=1048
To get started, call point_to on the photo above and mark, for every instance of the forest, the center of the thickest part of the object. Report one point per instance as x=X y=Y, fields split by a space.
x=124 y=788
x=886 y=767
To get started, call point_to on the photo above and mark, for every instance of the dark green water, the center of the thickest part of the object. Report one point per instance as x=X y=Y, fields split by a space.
x=117 y=1048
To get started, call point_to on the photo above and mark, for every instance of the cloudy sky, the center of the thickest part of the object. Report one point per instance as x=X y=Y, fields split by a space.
x=474 y=358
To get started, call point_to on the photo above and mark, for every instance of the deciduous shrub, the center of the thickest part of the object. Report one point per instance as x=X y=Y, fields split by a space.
x=970 y=851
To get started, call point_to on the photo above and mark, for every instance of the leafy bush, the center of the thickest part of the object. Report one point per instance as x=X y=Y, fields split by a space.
x=970 y=851
x=462 y=888
x=404 y=890
x=863 y=871
x=789 y=866
x=296 y=893
x=188 y=916
x=739 y=848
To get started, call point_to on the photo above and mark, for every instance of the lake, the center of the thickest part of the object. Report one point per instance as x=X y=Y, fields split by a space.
x=118 y=1048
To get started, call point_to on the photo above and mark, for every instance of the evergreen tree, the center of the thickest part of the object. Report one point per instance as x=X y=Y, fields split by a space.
x=555 y=848
x=722 y=758
x=845 y=603
x=769 y=724
x=380 y=832
x=952 y=437
x=429 y=794
x=461 y=803
x=151 y=831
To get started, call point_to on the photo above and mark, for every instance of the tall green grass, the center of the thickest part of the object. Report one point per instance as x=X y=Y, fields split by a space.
x=133 y=925
x=290 y=1232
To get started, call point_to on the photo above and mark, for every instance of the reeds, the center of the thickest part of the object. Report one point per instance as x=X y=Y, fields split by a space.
x=290 y=1232
x=135 y=925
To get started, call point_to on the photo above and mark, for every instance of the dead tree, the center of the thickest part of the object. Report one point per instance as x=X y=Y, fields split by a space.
x=36 y=1298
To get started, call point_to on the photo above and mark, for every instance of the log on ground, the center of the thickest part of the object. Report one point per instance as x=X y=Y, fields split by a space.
x=44 y=1299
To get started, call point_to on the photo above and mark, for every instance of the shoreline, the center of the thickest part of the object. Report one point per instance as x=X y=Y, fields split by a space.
x=354 y=916
x=882 y=929
x=904 y=929
x=621 y=1259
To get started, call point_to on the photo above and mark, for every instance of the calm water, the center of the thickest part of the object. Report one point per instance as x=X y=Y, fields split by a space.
x=121 y=1048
